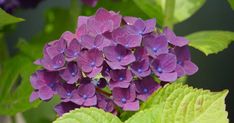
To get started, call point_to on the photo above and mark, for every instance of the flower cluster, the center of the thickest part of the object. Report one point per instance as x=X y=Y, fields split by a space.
x=109 y=62
x=11 y=5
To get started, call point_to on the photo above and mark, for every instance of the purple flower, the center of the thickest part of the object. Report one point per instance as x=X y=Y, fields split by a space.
x=73 y=50
x=145 y=87
x=139 y=26
x=141 y=68
x=184 y=64
x=67 y=92
x=86 y=95
x=65 y=107
x=71 y=74
x=106 y=71
x=173 y=39
x=106 y=104
x=126 y=98
x=120 y=78
x=98 y=42
x=118 y=56
x=164 y=67
x=103 y=21
x=141 y=54
x=91 y=62
x=44 y=83
x=155 y=45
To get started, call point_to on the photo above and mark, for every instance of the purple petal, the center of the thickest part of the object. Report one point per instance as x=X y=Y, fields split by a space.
x=190 y=68
x=45 y=93
x=33 y=96
x=167 y=62
x=86 y=89
x=95 y=72
x=91 y=101
x=150 y=25
x=168 y=77
x=131 y=106
x=180 y=70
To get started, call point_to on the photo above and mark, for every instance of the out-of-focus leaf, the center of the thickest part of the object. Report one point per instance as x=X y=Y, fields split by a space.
x=231 y=2
x=88 y=115
x=125 y=7
x=210 y=42
x=151 y=8
x=44 y=113
x=183 y=104
x=183 y=8
x=6 y=18
x=15 y=87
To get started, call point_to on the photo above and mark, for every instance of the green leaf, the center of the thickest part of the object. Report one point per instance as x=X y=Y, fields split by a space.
x=180 y=103
x=231 y=2
x=210 y=42
x=15 y=87
x=88 y=115
x=6 y=18
x=183 y=9
x=152 y=9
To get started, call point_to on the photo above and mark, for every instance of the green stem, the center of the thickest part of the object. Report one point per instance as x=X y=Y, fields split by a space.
x=169 y=13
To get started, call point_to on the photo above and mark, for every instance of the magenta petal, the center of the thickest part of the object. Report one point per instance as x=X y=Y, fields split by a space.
x=113 y=84
x=91 y=101
x=95 y=71
x=180 y=70
x=131 y=106
x=167 y=62
x=33 y=96
x=150 y=25
x=130 y=20
x=180 y=41
x=45 y=93
x=190 y=68
x=115 y=65
x=168 y=77
x=81 y=21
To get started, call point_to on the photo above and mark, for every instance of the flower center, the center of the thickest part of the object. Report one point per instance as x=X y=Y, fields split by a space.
x=179 y=62
x=159 y=69
x=139 y=70
x=69 y=94
x=121 y=78
x=92 y=64
x=145 y=90
x=119 y=58
x=123 y=100
x=85 y=96
x=155 y=49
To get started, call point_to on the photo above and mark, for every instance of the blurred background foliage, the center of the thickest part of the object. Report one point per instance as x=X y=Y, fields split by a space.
x=22 y=43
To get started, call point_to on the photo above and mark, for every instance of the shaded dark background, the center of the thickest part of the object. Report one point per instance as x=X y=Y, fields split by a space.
x=216 y=72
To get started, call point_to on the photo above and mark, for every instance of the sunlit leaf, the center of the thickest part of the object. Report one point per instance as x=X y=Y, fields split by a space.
x=231 y=2
x=88 y=115
x=210 y=42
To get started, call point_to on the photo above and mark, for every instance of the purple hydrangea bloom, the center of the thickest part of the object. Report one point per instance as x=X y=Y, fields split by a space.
x=98 y=42
x=65 y=107
x=164 y=67
x=184 y=64
x=71 y=74
x=67 y=92
x=120 y=78
x=91 y=62
x=109 y=63
x=173 y=39
x=118 y=56
x=155 y=45
x=44 y=83
x=86 y=95
x=145 y=87
x=106 y=104
x=126 y=98
x=141 y=68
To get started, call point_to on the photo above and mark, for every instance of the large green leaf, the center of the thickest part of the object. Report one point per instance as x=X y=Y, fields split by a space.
x=182 y=104
x=88 y=115
x=15 y=87
x=6 y=18
x=183 y=8
x=210 y=42
x=231 y=2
